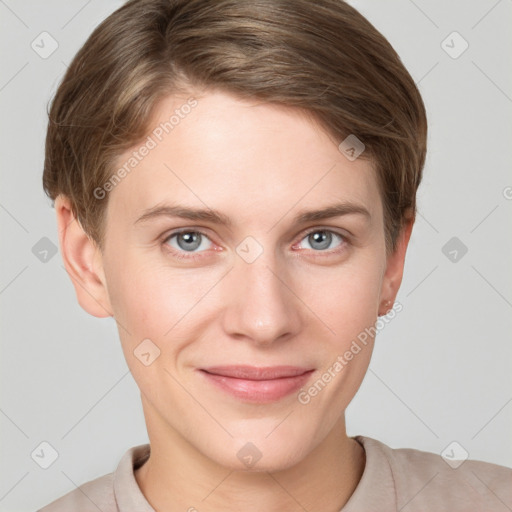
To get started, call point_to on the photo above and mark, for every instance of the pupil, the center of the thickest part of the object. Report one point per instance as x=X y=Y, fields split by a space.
x=189 y=238
x=323 y=238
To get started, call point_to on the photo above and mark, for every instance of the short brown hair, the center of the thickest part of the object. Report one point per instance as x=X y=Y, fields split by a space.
x=321 y=57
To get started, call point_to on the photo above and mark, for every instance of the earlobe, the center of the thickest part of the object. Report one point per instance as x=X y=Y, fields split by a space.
x=82 y=260
x=395 y=269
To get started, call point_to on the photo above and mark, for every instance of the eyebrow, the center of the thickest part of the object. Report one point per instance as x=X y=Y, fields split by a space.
x=215 y=217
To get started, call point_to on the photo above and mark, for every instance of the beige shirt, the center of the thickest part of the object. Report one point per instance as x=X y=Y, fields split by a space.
x=401 y=479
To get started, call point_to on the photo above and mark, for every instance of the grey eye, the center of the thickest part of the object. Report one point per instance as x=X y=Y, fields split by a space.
x=321 y=239
x=188 y=241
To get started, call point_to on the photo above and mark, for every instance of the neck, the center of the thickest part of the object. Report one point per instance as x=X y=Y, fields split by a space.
x=177 y=477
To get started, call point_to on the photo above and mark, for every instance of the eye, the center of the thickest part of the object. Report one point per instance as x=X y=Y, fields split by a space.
x=322 y=239
x=187 y=241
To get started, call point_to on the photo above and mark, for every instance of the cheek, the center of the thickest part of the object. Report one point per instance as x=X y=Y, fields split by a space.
x=346 y=298
x=145 y=307
x=348 y=304
x=140 y=288
x=141 y=309
x=152 y=300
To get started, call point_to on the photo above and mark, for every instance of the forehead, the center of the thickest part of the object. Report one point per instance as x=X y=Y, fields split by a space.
x=248 y=159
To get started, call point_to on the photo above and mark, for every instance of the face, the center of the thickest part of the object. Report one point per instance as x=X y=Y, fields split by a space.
x=233 y=319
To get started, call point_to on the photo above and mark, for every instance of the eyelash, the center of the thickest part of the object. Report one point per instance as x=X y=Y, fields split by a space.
x=183 y=255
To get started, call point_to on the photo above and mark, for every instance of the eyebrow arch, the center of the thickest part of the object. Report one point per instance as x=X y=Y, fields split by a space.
x=215 y=217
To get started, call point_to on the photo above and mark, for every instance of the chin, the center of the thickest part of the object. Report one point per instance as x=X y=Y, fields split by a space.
x=263 y=452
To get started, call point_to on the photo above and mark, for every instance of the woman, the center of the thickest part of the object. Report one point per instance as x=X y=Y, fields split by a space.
x=243 y=176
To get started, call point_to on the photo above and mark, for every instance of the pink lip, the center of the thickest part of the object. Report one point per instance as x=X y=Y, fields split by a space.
x=259 y=385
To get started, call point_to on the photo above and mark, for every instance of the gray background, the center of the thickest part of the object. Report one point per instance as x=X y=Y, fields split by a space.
x=441 y=370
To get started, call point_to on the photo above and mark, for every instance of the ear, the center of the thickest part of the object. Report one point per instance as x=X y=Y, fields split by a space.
x=395 y=268
x=83 y=262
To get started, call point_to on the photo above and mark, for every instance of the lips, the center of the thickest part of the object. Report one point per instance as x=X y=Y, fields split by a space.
x=255 y=373
x=257 y=384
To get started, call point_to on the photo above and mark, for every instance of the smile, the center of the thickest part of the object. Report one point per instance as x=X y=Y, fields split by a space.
x=257 y=385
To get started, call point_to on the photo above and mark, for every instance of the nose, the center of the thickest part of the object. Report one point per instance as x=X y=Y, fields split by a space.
x=260 y=305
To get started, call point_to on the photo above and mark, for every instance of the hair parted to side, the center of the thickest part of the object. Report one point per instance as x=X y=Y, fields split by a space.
x=323 y=58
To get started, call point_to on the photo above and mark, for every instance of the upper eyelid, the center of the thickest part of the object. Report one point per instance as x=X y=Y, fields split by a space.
x=332 y=230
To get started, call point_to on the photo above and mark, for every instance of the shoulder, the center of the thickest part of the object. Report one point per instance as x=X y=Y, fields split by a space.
x=427 y=481
x=97 y=494
x=109 y=493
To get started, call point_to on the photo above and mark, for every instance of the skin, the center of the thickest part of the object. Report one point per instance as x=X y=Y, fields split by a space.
x=296 y=304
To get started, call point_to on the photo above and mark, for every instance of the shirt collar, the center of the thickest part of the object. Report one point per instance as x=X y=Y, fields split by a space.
x=129 y=497
x=375 y=490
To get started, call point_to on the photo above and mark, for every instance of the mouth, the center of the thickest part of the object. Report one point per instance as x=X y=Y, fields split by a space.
x=257 y=384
